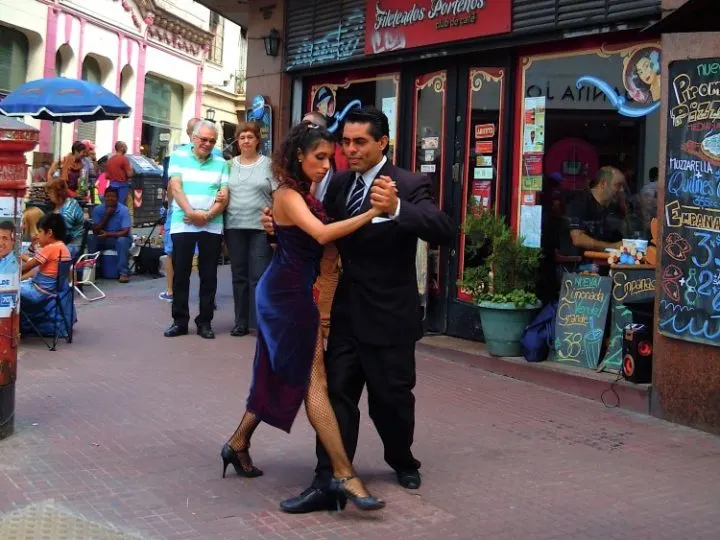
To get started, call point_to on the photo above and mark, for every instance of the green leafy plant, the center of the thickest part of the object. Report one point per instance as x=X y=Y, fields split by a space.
x=509 y=273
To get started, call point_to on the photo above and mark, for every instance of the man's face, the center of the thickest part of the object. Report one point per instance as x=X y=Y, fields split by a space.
x=111 y=199
x=204 y=141
x=616 y=186
x=361 y=149
x=123 y=148
x=6 y=242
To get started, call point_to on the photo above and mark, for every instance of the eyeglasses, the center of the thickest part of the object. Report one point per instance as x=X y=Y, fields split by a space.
x=205 y=140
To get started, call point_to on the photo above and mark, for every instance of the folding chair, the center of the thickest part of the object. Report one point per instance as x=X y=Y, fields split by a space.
x=64 y=287
x=86 y=265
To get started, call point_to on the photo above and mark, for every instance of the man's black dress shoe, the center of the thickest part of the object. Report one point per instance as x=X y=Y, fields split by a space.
x=313 y=500
x=205 y=331
x=175 y=331
x=239 y=331
x=409 y=479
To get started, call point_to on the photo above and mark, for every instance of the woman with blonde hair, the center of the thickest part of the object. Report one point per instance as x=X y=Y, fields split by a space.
x=70 y=210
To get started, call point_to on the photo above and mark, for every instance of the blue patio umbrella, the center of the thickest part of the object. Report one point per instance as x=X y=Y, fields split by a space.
x=64 y=100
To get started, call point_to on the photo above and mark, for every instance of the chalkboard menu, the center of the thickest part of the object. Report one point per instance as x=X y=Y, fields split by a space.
x=690 y=281
x=580 y=320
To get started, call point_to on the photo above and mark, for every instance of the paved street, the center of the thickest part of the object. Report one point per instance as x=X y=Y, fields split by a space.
x=123 y=428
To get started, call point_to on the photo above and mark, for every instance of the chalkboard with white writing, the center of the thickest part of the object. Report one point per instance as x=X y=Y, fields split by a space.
x=580 y=319
x=690 y=279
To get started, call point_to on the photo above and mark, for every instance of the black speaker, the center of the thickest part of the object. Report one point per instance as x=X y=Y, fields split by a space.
x=637 y=349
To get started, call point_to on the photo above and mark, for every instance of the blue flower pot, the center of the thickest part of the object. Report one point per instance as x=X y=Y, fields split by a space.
x=503 y=325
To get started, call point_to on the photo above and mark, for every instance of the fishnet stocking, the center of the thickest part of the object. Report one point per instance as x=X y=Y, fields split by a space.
x=323 y=420
x=240 y=441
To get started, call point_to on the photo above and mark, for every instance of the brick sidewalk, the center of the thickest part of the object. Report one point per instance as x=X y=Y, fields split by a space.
x=124 y=427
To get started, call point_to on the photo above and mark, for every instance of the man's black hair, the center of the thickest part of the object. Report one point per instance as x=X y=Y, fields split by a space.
x=112 y=190
x=7 y=226
x=378 y=122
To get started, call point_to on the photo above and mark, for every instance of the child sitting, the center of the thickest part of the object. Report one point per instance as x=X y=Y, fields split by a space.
x=51 y=231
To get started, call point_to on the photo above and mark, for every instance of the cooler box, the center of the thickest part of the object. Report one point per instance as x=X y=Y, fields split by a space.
x=109 y=264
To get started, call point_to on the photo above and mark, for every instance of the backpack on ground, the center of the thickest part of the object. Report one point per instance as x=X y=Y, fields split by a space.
x=538 y=337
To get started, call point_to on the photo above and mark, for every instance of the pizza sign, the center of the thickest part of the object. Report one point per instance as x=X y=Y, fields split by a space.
x=690 y=281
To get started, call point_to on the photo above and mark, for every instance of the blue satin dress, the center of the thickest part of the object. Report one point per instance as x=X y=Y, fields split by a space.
x=288 y=322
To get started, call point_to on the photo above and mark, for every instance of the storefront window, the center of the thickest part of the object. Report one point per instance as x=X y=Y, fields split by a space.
x=481 y=178
x=162 y=117
x=13 y=59
x=583 y=110
x=91 y=72
x=336 y=100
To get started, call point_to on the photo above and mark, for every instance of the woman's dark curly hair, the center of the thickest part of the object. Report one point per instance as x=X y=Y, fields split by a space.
x=287 y=168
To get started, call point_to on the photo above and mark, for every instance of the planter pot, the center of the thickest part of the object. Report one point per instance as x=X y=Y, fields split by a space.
x=503 y=325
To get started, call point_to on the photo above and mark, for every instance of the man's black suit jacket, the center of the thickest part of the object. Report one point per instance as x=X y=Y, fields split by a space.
x=377 y=298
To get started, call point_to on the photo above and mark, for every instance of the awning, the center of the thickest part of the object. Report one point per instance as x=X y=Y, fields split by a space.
x=693 y=16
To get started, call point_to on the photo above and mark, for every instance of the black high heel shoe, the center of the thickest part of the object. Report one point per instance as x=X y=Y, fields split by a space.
x=339 y=486
x=230 y=456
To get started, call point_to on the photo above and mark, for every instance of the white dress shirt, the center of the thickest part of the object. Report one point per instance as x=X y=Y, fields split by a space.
x=368 y=177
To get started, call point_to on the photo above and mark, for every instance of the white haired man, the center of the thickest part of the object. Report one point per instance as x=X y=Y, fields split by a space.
x=198 y=182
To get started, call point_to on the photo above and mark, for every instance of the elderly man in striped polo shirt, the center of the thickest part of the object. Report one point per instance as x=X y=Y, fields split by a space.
x=198 y=182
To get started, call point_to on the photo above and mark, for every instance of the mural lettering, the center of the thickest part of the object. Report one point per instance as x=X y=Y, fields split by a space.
x=338 y=44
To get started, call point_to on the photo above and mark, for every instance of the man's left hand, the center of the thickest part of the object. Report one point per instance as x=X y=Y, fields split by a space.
x=383 y=195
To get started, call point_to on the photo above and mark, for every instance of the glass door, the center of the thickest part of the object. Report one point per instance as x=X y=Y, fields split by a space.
x=428 y=158
x=478 y=179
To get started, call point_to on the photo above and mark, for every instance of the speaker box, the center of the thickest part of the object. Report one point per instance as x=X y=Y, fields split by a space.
x=637 y=349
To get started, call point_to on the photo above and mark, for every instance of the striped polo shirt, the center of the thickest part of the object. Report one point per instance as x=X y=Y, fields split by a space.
x=201 y=180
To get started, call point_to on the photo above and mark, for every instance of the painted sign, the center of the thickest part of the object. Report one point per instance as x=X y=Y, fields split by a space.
x=580 y=320
x=265 y=125
x=257 y=107
x=484 y=131
x=690 y=281
x=402 y=24
x=339 y=43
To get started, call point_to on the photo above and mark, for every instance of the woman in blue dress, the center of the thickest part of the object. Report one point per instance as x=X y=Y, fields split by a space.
x=289 y=366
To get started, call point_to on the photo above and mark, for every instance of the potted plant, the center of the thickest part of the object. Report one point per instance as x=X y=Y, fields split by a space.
x=504 y=285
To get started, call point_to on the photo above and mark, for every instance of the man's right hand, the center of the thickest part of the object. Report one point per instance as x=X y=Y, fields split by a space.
x=267 y=221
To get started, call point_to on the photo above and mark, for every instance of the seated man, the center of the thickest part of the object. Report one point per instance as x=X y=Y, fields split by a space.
x=590 y=220
x=111 y=230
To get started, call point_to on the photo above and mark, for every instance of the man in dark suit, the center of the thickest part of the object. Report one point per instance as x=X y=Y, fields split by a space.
x=376 y=314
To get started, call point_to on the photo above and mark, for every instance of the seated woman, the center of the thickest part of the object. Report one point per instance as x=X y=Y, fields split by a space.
x=51 y=231
x=70 y=210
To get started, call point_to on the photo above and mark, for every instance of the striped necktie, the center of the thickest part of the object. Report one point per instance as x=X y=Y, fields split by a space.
x=357 y=196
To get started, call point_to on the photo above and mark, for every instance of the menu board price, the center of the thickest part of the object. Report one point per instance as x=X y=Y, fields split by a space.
x=690 y=281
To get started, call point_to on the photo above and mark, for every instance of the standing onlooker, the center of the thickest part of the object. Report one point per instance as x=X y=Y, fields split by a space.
x=111 y=230
x=71 y=167
x=251 y=185
x=118 y=171
x=90 y=165
x=197 y=176
x=71 y=212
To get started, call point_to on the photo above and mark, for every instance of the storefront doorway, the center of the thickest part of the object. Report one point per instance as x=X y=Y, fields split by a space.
x=458 y=138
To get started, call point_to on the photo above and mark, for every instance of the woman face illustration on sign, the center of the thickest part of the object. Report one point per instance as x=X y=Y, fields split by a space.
x=324 y=101
x=642 y=75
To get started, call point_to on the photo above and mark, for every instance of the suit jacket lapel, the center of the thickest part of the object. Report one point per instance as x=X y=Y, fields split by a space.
x=340 y=201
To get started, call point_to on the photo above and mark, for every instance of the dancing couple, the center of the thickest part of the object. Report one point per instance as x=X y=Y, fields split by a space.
x=375 y=212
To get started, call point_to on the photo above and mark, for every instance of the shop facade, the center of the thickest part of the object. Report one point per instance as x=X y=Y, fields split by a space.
x=137 y=49
x=488 y=99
